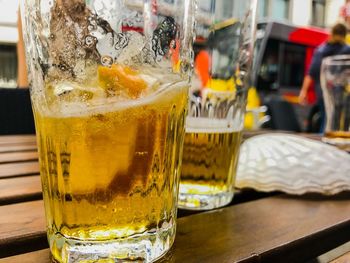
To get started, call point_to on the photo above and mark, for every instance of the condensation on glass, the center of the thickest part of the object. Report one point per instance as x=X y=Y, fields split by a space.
x=109 y=88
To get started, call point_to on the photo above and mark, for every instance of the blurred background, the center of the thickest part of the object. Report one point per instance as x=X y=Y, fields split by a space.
x=288 y=33
x=320 y=13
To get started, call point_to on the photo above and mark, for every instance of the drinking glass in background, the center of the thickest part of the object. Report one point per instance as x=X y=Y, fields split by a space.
x=109 y=88
x=335 y=83
x=223 y=48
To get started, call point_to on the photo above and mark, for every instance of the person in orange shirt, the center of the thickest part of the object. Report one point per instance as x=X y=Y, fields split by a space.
x=202 y=65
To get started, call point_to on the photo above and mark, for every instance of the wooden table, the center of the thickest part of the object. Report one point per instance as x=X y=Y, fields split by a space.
x=255 y=227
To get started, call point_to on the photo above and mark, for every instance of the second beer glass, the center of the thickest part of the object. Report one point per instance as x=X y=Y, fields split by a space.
x=223 y=56
x=335 y=82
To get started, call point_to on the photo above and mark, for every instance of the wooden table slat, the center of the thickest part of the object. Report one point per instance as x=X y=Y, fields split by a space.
x=21 y=147
x=20 y=189
x=263 y=230
x=8 y=139
x=18 y=157
x=22 y=227
x=18 y=169
x=342 y=259
x=41 y=256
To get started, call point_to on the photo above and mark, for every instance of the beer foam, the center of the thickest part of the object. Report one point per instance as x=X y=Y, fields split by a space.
x=208 y=125
x=160 y=96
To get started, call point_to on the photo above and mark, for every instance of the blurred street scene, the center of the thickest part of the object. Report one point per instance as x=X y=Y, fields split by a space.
x=288 y=32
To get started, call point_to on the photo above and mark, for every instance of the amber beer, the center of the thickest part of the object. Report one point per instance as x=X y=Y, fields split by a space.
x=110 y=173
x=338 y=134
x=209 y=166
x=340 y=138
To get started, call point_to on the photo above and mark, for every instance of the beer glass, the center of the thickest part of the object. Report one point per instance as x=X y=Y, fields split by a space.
x=109 y=88
x=223 y=55
x=335 y=84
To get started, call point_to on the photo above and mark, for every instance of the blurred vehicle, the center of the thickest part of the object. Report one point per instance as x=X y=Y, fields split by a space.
x=283 y=56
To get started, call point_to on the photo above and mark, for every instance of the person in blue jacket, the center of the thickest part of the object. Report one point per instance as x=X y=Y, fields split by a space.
x=336 y=45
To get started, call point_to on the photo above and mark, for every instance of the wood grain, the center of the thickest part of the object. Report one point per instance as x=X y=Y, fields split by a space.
x=343 y=259
x=275 y=229
x=18 y=157
x=41 y=256
x=20 y=189
x=18 y=147
x=18 y=169
x=22 y=228
x=10 y=139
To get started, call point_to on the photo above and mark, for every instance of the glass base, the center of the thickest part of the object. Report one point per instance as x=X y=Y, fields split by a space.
x=341 y=143
x=203 y=201
x=146 y=247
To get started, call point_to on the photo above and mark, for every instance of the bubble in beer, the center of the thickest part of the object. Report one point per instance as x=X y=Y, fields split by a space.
x=107 y=61
x=121 y=41
x=163 y=36
x=62 y=67
x=90 y=41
